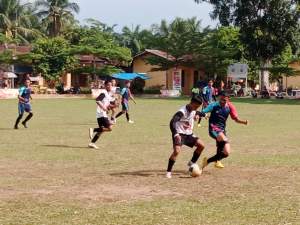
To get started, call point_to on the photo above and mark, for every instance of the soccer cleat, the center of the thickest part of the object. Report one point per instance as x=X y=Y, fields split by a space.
x=24 y=124
x=204 y=163
x=219 y=165
x=169 y=175
x=190 y=163
x=16 y=127
x=92 y=145
x=130 y=121
x=91 y=132
x=199 y=125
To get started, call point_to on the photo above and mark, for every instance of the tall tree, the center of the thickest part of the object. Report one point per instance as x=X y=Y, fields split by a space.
x=267 y=27
x=56 y=14
x=16 y=20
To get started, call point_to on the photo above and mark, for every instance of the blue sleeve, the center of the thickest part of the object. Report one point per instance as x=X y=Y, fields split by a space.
x=123 y=91
x=210 y=107
x=21 y=91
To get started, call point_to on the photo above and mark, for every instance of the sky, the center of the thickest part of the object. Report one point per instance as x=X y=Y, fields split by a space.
x=144 y=12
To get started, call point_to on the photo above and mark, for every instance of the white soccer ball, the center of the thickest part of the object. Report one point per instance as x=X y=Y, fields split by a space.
x=195 y=170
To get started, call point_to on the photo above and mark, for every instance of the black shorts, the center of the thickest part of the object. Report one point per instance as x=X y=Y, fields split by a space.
x=188 y=140
x=103 y=122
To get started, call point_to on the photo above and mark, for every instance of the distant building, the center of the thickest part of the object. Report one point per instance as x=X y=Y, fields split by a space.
x=183 y=78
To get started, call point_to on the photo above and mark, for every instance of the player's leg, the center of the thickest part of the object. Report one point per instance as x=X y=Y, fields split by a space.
x=194 y=141
x=21 y=110
x=177 y=143
x=30 y=115
x=104 y=126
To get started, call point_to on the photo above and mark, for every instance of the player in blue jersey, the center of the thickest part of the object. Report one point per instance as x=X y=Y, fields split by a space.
x=126 y=95
x=219 y=112
x=24 y=104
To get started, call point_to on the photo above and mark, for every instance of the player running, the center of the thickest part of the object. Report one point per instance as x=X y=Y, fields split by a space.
x=181 y=127
x=24 y=104
x=103 y=105
x=219 y=112
x=114 y=100
x=126 y=94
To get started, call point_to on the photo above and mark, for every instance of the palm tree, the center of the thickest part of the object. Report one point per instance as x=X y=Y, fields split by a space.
x=56 y=14
x=16 y=20
x=131 y=39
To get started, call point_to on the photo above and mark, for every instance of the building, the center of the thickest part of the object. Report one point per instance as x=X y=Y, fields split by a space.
x=293 y=81
x=179 y=78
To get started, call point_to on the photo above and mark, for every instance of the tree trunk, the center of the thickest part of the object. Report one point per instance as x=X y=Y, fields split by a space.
x=264 y=74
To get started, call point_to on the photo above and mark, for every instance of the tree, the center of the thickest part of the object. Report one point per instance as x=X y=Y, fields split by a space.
x=267 y=27
x=52 y=57
x=16 y=20
x=56 y=14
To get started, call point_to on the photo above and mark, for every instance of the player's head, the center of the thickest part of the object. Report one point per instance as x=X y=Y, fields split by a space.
x=27 y=83
x=113 y=82
x=196 y=102
x=210 y=83
x=108 y=85
x=224 y=98
x=127 y=83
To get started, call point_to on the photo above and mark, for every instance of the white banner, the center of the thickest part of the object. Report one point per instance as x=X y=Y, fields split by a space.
x=238 y=70
x=177 y=80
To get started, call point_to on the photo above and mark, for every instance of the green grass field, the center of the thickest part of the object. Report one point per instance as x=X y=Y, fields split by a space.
x=49 y=176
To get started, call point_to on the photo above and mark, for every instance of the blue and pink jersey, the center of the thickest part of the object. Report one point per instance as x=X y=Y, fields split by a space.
x=125 y=93
x=219 y=115
x=25 y=93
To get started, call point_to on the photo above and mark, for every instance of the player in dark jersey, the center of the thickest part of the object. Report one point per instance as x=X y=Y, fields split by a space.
x=219 y=112
x=24 y=104
x=181 y=127
x=126 y=95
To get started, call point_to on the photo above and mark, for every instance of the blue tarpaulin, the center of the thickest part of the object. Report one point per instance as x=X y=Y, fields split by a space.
x=130 y=76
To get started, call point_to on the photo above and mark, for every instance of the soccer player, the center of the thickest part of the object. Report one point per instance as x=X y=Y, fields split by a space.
x=24 y=104
x=219 y=112
x=181 y=127
x=103 y=105
x=126 y=95
x=114 y=100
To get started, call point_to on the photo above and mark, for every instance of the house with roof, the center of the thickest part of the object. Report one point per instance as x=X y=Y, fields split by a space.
x=181 y=78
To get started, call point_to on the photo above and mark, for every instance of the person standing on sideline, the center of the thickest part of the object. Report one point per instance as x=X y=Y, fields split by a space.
x=103 y=106
x=24 y=104
x=126 y=95
x=181 y=126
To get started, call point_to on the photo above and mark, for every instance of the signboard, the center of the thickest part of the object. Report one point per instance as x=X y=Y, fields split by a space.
x=177 y=80
x=238 y=71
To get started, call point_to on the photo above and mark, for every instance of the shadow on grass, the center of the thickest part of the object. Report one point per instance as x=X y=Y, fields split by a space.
x=150 y=173
x=63 y=146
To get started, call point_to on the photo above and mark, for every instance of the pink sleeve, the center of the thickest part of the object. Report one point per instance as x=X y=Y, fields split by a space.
x=233 y=112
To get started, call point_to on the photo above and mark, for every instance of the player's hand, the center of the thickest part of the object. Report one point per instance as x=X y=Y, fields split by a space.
x=196 y=118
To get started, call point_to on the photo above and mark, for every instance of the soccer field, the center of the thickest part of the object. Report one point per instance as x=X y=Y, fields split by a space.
x=49 y=176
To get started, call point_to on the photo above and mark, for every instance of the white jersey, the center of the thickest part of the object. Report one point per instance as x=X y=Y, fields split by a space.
x=113 y=93
x=104 y=99
x=186 y=124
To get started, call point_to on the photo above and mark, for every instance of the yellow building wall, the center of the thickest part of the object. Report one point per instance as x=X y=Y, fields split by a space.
x=157 y=78
x=293 y=81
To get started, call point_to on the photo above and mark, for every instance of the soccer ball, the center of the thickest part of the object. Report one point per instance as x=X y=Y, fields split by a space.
x=194 y=170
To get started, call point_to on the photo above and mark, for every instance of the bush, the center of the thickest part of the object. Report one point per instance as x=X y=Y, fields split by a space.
x=85 y=90
x=153 y=89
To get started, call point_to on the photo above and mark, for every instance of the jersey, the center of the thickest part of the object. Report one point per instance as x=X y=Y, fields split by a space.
x=208 y=94
x=113 y=93
x=125 y=93
x=104 y=98
x=25 y=93
x=219 y=115
x=186 y=123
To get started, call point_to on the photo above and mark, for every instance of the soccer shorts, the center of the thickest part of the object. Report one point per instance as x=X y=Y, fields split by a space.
x=188 y=140
x=24 y=107
x=214 y=133
x=103 y=122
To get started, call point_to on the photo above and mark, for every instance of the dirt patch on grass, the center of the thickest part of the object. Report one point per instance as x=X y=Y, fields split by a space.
x=41 y=180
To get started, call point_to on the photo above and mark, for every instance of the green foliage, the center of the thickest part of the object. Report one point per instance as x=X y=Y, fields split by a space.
x=54 y=57
x=104 y=71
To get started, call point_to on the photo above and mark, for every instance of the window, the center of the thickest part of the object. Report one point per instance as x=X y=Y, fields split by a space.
x=182 y=78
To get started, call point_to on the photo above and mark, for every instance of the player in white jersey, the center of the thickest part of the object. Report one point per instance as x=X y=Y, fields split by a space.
x=103 y=102
x=181 y=127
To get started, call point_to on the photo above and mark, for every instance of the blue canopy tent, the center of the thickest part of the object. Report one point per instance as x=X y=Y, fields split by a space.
x=130 y=76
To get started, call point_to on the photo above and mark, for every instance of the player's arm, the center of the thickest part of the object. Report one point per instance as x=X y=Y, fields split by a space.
x=21 y=99
x=131 y=97
x=99 y=103
x=235 y=117
x=177 y=117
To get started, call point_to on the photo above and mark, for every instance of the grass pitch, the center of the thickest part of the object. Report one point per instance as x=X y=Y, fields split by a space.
x=49 y=176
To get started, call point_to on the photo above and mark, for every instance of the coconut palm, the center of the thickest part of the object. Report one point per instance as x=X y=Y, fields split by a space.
x=56 y=14
x=16 y=20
